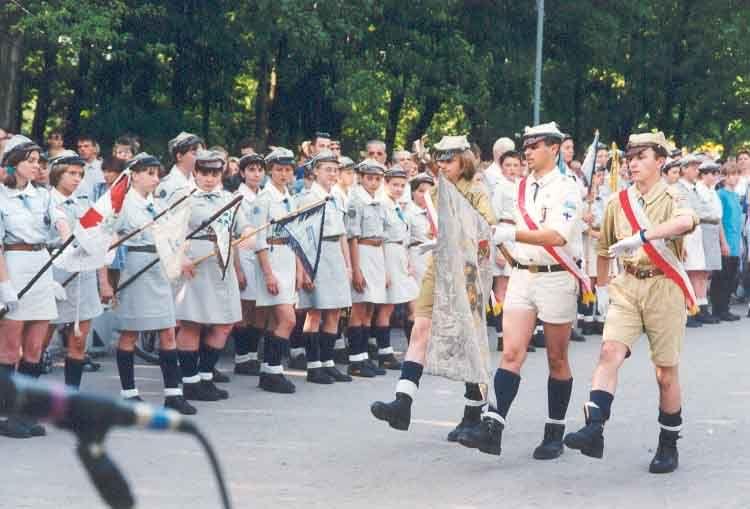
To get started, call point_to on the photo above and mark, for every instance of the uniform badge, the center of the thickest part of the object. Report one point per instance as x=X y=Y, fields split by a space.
x=163 y=193
x=256 y=210
x=352 y=213
x=47 y=220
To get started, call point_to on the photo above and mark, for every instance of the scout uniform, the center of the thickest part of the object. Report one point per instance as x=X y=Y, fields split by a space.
x=503 y=205
x=147 y=303
x=27 y=219
x=695 y=258
x=398 y=412
x=82 y=300
x=332 y=290
x=544 y=284
x=247 y=338
x=420 y=231
x=270 y=204
x=642 y=298
x=403 y=287
x=176 y=184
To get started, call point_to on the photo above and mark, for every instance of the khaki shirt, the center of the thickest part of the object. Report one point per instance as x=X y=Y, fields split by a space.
x=476 y=195
x=661 y=204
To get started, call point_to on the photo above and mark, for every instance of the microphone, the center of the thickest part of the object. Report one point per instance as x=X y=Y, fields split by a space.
x=79 y=411
x=105 y=475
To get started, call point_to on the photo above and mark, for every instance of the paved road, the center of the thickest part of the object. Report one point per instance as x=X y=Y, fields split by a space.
x=321 y=448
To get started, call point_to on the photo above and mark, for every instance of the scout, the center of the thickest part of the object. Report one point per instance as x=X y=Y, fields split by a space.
x=642 y=227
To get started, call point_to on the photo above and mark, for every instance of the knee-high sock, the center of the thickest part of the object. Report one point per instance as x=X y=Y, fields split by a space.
x=297 y=340
x=241 y=341
x=73 y=372
x=209 y=356
x=558 y=399
x=603 y=400
x=126 y=369
x=408 y=383
x=312 y=349
x=506 y=388
x=327 y=342
x=383 y=338
x=170 y=372
x=189 y=366
x=273 y=359
x=357 y=344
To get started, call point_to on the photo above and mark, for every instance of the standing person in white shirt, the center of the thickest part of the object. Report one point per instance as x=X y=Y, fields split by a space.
x=494 y=171
x=179 y=181
x=713 y=234
x=88 y=149
x=544 y=284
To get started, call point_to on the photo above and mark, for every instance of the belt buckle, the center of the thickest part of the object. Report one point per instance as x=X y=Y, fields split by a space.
x=533 y=269
x=643 y=274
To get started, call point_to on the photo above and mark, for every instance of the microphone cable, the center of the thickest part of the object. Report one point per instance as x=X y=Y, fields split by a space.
x=190 y=428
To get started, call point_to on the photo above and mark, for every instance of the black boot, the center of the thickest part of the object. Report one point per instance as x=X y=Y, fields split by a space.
x=577 y=336
x=360 y=369
x=589 y=439
x=179 y=404
x=197 y=391
x=487 y=437
x=552 y=443
x=219 y=377
x=705 y=317
x=14 y=427
x=397 y=413
x=247 y=368
x=693 y=322
x=666 y=459
x=341 y=356
x=276 y=382
x=471 y=420
x=337 y=375
x=210 y=386
x=297 y=362
x=319 y=376
x=389 y=361
x=374 y=367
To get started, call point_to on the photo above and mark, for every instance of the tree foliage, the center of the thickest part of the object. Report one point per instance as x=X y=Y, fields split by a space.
x=278 y=70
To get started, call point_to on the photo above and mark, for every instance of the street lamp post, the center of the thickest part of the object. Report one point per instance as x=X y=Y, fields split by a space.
x=538 y=71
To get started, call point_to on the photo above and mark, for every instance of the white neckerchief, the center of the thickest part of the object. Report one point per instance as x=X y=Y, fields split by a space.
x=365 y=196
x=29 y=191
x=246 y=192
x=276 y=195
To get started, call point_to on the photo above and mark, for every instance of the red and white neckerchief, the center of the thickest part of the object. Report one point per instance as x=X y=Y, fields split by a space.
x=657 y=250
x=560 y=256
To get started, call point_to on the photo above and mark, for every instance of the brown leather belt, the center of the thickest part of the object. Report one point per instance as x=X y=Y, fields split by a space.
x=642 y=272
x=209 y=236
x=142 y=249
x=24 y=247
x=709 y=221
x=507 y=221
x=332 y=238
x=371 y=242
x=277 y=241
x=415 y=244
x=537 y=268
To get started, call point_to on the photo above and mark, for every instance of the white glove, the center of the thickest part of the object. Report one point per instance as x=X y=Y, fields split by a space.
x=626 y=246
x=426 y=247
x=8 y=296
x=602 y=300
x=504 y=233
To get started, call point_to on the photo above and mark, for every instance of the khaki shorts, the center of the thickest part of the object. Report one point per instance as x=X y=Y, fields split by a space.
x=553 y=296
x=655 y=306
x=423 y=304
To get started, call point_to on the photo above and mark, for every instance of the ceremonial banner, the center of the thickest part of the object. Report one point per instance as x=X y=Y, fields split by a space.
x=169 y=238
x=223 y=227
x=303 y=232
x=102 y=214
x=589 y=162
x=96 y=255
x=458 y=347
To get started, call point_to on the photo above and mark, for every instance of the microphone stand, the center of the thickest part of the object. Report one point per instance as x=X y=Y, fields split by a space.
x=104 y=473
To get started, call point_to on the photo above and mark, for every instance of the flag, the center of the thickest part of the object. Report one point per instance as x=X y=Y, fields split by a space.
x=589 y=162
x=102 y=213
x=75 y=258
x=223 y=227
x=458 y=348
x=303 y=231
x=169 y=238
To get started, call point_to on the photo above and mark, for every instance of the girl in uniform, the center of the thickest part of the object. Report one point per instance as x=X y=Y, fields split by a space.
x=277 y=272
x=82 y=302
x=403 y=287
x=365 y=223
x=247 y=334
x=146 y=304
x=208 y=295
x=421 y=231
x=28 y=217
x=324 y=297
